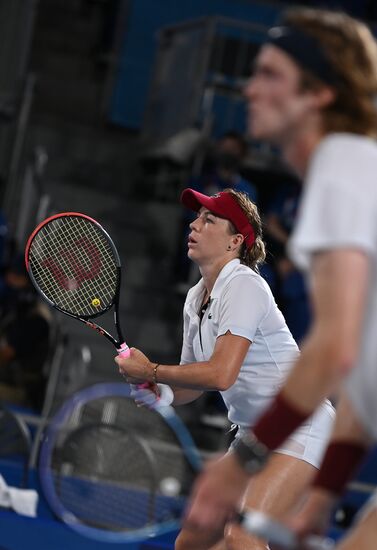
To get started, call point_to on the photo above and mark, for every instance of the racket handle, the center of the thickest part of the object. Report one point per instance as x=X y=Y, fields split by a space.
x=258 y=523
x=124 y=351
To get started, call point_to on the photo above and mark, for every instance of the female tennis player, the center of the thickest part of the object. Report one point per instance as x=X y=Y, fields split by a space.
x=235 y=341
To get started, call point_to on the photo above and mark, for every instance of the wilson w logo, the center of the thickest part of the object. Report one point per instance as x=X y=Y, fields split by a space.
x=74 y=261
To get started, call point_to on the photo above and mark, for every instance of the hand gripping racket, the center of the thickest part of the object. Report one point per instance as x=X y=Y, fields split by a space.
x=118 y=473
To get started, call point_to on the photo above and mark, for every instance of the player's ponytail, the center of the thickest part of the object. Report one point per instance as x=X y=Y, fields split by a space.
x=256 y=254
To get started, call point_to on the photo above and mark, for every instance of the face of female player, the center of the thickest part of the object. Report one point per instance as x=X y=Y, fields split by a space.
x=277 y=108
x=209 y=238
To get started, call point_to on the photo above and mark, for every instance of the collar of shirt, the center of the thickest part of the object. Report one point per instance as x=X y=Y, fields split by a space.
x=195 y=294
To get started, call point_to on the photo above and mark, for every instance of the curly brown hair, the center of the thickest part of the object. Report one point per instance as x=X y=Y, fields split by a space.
x=352 y=51
x=256 y=254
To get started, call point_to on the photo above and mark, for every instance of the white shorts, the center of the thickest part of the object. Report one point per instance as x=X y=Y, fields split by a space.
x=309 y=441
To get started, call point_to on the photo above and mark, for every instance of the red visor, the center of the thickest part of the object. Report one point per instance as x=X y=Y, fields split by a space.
x=222 y=205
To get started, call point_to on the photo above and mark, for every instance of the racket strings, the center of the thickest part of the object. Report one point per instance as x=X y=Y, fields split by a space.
x=120 y=411
x=160 y=437
x=119 y=467
x=106 y=484
x=74 y=265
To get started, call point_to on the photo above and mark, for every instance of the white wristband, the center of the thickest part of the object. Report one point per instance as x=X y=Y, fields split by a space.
x=166 y=395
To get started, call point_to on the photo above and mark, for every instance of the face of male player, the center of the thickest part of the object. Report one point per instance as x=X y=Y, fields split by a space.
x=277 y=107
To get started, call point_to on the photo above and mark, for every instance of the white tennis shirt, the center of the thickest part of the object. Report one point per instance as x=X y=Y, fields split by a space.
x=338 y=210
x=242 y=303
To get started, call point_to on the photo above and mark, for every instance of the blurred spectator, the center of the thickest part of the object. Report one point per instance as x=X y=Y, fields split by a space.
x=107 y=12
x=287 y=283
x=221 y=170
x=25 y=324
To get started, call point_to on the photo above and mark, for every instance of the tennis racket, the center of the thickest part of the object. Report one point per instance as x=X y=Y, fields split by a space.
x=74 y=265
x=119 y=473
x=116 y=472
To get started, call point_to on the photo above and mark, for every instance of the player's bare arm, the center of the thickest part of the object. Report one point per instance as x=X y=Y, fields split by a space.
x=219 y=373
x=339 y=286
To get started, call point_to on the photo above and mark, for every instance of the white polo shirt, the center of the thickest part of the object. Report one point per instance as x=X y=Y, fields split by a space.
x=242 y=303
x=339 y=211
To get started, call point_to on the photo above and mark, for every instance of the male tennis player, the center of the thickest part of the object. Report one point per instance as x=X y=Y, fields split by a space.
x=312 y=94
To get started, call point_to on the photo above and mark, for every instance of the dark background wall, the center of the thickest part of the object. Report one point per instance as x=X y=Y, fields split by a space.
x=81 y=81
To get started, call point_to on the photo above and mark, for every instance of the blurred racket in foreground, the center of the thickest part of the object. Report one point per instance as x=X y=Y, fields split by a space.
x=119 y=473
x=113 y=471
x=74 y=265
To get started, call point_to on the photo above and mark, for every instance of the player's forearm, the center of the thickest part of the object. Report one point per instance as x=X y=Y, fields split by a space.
x=195 y=376
x=182 y=396
x=330 y=350
x=319 y=371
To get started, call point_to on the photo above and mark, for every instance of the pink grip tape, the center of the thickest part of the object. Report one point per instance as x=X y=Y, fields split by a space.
x=124 y=351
